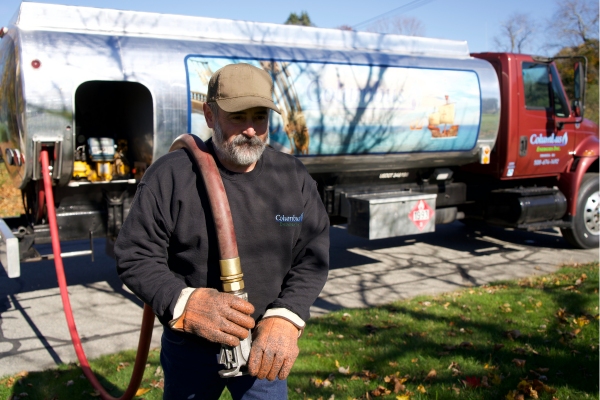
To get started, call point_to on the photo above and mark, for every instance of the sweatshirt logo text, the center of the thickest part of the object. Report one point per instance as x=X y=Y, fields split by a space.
x=289 y=220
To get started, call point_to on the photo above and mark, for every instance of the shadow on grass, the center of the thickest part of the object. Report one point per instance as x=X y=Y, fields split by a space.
x=488 y=340
x=67 y=381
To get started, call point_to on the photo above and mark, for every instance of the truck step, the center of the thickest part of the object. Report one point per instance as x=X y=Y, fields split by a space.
x=538 y=226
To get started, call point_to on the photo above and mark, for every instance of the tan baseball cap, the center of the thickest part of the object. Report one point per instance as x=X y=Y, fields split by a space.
x=238 y=87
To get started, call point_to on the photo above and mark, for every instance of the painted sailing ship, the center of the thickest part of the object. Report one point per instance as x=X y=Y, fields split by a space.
x=417 y=124
x=441 y=121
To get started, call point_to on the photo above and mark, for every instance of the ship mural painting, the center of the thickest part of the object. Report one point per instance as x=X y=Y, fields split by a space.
x=443 y=117
x=338 y=109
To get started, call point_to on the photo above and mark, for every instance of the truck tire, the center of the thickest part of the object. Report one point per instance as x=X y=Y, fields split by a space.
x=585 y=231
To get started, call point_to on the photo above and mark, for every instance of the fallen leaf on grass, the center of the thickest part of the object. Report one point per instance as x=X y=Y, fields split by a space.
x=562 y=315
x=518 y=362
x=471 y=381
x=320 y=382
x=158 y=384
x=496 y=379
x=142 y=391
x=122 y=365
x=581 y=279
x=342 y=370
x=431 y=375
x=455 y=368
x=397 y=382
x=453 y=365
x=380 y=391
x=514 y=334
x=421 y=389
x=8 y=382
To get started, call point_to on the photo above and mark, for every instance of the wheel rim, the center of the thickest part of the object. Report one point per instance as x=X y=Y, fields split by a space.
x=591 y=213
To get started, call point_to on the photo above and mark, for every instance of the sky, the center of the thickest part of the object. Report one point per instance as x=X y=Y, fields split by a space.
x=474 y=21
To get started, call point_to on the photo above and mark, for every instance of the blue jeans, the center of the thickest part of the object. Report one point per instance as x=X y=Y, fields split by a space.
x=191 y=372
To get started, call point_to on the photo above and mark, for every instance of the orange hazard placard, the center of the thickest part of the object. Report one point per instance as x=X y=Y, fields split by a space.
x=420 y=214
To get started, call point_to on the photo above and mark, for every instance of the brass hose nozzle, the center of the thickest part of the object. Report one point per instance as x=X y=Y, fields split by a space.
x=231 y=275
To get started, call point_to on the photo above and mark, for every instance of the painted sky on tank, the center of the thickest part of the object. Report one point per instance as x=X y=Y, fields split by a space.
x=337 y=109
x=475 y=21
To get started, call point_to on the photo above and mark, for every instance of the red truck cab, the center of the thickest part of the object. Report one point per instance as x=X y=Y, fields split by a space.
x=543 y=140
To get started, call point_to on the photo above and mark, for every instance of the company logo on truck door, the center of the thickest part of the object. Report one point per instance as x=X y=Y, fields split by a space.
x=552 y=140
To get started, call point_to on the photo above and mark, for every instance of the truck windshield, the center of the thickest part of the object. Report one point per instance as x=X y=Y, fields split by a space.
x=540 y=93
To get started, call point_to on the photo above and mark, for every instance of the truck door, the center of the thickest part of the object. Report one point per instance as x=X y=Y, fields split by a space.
x=544 y=139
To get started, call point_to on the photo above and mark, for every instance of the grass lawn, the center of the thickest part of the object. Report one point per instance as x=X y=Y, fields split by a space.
x=527 y=339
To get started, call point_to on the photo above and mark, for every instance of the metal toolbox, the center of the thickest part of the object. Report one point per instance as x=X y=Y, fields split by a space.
x=378 y=216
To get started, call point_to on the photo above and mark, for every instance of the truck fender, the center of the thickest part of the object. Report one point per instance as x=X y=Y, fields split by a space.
x=588 y=147
x=570 y=181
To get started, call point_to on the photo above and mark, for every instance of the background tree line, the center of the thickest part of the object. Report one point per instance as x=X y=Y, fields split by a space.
x=572 y=30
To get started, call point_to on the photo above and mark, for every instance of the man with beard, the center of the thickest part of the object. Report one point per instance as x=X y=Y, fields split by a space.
x=167 y=250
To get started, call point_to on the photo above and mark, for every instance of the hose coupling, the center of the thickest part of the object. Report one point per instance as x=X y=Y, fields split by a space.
x=231 y=275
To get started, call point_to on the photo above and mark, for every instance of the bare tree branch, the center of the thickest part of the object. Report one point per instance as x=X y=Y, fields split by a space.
x=575 y=22
x=401 y=25
x=516 y=33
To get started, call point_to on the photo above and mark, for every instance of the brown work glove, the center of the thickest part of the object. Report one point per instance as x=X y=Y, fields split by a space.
x=274 y=349
x=218 y=317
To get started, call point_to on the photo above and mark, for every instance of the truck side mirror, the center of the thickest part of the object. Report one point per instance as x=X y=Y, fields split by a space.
x=579 y=82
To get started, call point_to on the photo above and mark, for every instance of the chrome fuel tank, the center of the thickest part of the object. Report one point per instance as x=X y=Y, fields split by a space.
x=350 y=101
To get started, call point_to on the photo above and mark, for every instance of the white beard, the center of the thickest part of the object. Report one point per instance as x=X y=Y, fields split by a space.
x=241 y=151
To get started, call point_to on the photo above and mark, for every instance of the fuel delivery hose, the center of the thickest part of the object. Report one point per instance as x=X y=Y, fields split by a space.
x=230 y=266
x=147 y=319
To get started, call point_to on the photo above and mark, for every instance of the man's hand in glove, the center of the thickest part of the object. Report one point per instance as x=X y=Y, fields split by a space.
x=218 y=317
x=274 y=349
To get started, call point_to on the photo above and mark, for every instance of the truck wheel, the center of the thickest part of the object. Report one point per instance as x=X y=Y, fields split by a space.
x=586 y=224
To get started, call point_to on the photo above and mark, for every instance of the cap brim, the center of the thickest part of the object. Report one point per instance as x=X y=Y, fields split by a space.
x=244 y=103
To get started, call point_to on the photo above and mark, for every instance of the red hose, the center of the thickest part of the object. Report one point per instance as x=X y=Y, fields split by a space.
x=217 y=197
x=147 y=321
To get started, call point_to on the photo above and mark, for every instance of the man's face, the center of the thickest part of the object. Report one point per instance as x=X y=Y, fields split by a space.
x=240 y=137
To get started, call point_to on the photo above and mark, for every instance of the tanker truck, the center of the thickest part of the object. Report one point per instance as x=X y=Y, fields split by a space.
x=400 y=133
